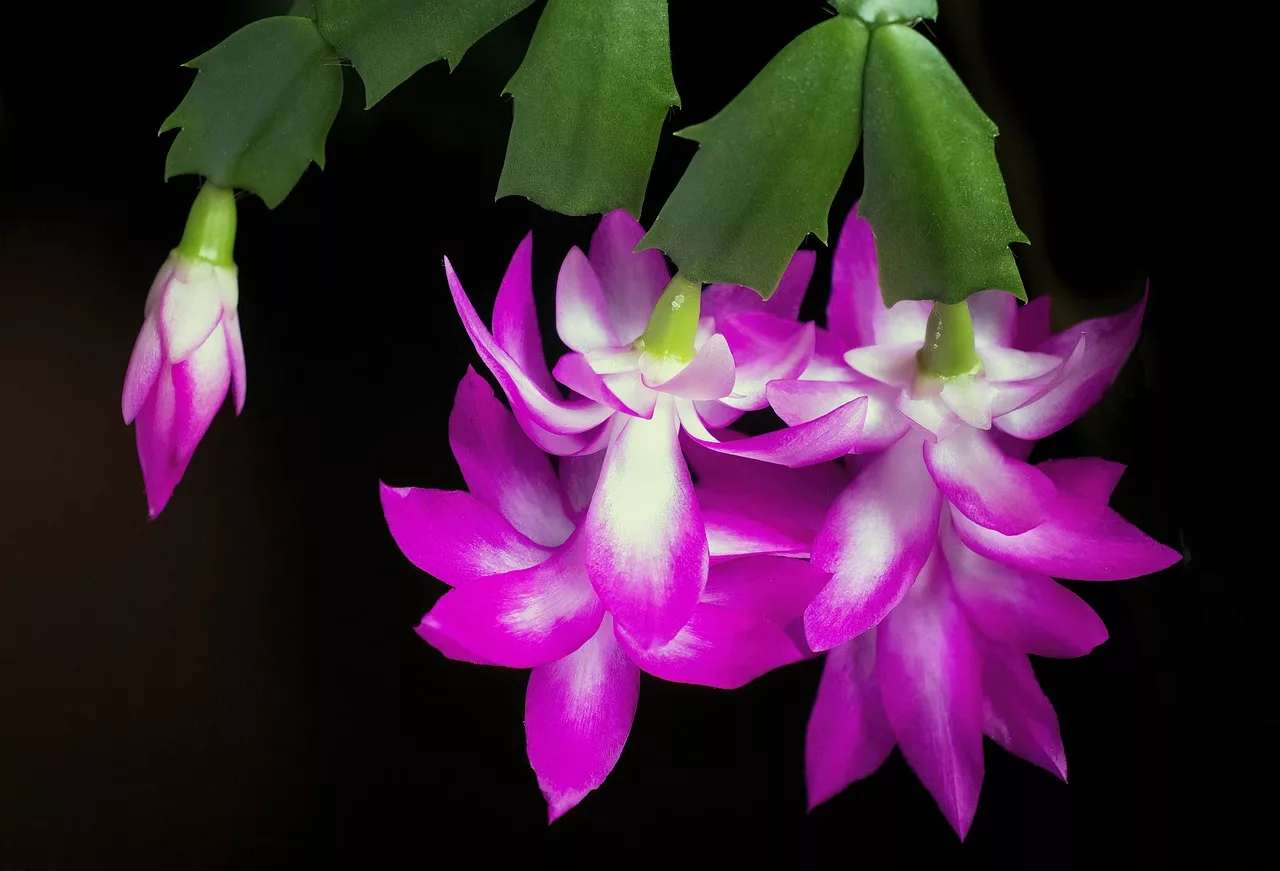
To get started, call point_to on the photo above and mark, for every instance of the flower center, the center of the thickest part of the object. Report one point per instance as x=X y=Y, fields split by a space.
x=948 y=349
x=673 y=326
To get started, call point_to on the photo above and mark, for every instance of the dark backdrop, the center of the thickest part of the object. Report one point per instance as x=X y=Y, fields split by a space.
x=238 y=683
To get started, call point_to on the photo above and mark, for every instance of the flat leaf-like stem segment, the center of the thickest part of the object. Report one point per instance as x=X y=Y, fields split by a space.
x=259 y=110
x=769 y=163
x=590 y=99
x=933 y=194
x=389 y=40
x=877 y=12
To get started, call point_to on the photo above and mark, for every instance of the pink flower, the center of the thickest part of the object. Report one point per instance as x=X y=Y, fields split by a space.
x=645 y=366
x=953 y=447
x=517 y=558
x=187 y=355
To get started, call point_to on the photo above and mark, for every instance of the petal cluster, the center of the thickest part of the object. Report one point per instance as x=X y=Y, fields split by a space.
x=894 y=522
x=186 y=357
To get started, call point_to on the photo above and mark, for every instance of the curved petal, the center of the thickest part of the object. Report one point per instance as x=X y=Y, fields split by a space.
x=632 y=280
x=523 y=618
x=718 y=647
x=855 y=284
x=161 y=470
x=1009 y=364
x=889 y=364
x=990 y=488
x=646 y=547
x=709 y=375
x=1016 y=713
x=581 y=444
x=1089 y=478
x=582 y=315
x=931 y=685
x=235 y=353
x=765 y=348
x=502 y=467
x=1080 y=540
x=449 y=647
x=929 y=412
x=530 y=403
x=200 y=384
x=577 y=715
x=722 y=301
x=1027 y=611
x=798 y=402
x=830 y=436
x=145 y=363
x=750 y=507
x=876 y=539
x=995 y=318
x=454 y=536
x=970 y=398
x=190 y=310
x=828 y=359
x=1107 y=345
x=515 y=319
x=775 y=587
x=848 y=736
x=716 y=414
x=621 y=391
x=1033 y=324
x=578 y=477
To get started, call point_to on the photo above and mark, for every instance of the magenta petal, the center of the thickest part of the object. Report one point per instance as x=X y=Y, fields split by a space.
x=798 y=402
x=849 y=736
x=875 y=540
x=161 y=470
x=931 y=685
x=530 y=403
x=515 y=318
x=855 y=284
x=430 y=632
x=1107 y=345
x=1080 y=540
x=235 y=352
x=719 y=647
x=578 y=477
x=200 y=384
x=646 y=547
x=621 y=391
x=990 y=488
x=776 y=587
x=1033 y=324
x=830 y=436
x=582 y=315
x=523 y=618
x=1016 y=713
x=1026 y=610
x=454 y=536
x=765 y=348
x=751 y=507
x=995 y=317
x=709 y=375
x=632 y=280
x=502 y=467
x=722 y=301
x=145 y=364
x=1089 y=478
x=577 y=716
x=716 y=414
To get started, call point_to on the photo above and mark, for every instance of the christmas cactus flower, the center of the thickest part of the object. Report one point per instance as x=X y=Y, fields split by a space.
x=949 y=664
x=644 y=366
x=954 y=396
x=189 y=351
x=515 y=553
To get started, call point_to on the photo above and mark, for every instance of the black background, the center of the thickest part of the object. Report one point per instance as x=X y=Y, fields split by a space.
x=238 y=683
